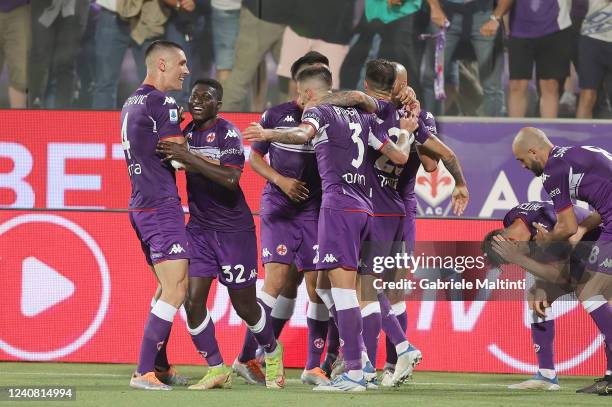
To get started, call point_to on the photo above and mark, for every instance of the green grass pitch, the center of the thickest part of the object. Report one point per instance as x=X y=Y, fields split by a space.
x=107 y=385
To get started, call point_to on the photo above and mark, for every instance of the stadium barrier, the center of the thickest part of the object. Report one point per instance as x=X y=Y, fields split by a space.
x=78 y=289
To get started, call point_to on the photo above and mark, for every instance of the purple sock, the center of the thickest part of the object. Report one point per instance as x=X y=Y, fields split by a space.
x=262 y=330
x=250 y=345
x=161 y=360
x=402 y=320
x=350 y=325
x=371 y=329
x=333 y=337
x=155 y=333
x=608 y=358
x=602 y=316
x=317 y=331
x=543 y=336
x=205 y=341
x=277 y=325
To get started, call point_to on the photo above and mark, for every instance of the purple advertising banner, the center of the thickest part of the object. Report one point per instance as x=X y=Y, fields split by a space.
x=496 y=181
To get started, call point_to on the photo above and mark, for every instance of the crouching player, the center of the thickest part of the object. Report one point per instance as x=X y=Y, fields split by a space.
x=556 y=274
x=221 y=233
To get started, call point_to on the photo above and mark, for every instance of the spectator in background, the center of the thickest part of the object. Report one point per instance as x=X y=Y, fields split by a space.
x=262 y=23
x=540 y=34
x=86 y=60
x=57 y=28
x=594 y=54
x=124 y=24
x=328 y=33
x=396 y=23
x=225 y=24
x=469 y=19
x=14 y=46
x=183 y=27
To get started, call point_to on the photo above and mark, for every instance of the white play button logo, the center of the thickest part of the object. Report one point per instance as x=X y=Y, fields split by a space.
x=42 y=287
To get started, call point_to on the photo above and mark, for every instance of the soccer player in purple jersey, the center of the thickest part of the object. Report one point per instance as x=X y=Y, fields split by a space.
x=401 y=201
x=556 y=274
x=289 y=213
x=156 y=213
x=221 y=232
x=340 y=138
x=583 y=173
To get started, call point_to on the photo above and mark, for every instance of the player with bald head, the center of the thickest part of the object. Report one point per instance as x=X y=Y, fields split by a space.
x=156 y=213
x=576 y=173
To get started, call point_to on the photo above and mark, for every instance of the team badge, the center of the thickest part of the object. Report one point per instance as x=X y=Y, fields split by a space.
x=318 y=343
x=281 y=249
x=210 y=137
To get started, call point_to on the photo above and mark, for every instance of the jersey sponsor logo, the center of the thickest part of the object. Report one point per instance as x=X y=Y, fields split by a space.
x=529 y=206
x=265 y=252
x=176 y=249
x=233 y=151
x=173 y=113
x=354 y=178
x=607 y=263
x=169 y=101
x=318 y=343
x=253 y=274
x=554 y=192
x=281 y=249
x=210 y=137
x=289 y=119
x=231 y=133
x=329 y=258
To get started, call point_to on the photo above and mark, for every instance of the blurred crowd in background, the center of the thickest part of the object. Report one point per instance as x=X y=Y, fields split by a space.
x=535 y=58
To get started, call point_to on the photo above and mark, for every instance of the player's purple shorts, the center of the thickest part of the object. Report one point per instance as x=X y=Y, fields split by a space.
x=410 y=224
x=230 y=255
x=600 y=258
x=161 y=232
x=385 y=238
x=287 y=241
x=340 y=234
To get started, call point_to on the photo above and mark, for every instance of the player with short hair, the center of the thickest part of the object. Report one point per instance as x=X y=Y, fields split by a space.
x=556 y=273
x=156 y=214
x=340 y=138
x=583 y=173
x=221 y=233
x=289 y=214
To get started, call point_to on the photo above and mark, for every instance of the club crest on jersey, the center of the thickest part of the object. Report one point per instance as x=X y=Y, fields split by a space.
x=318 y=343
x=210 y=137
x=231 y=133
x=434 y=189
x=281 y=249
x=173 y=115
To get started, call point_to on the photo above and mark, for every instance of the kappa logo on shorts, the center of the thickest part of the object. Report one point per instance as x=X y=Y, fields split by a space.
x=253 y=274
x=607 y=263
x=281 y=249
x=265 y=252
x=318 y=343
x=329 y=258
x=210 y=138
x=176 y=249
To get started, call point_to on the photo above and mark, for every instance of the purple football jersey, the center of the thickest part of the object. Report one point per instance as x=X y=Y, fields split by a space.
x=407 y=178
x=342 y=137
x=211 y=205
x=289 y=160
x=383 y=174
x=147 y=117
x=539 y=212
x=583 y=173
x=536 y=18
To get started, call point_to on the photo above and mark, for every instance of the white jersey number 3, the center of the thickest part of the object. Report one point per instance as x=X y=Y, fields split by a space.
x=356 y=129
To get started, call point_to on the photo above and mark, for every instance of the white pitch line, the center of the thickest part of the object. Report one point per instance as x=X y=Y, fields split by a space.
x=297 y=381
